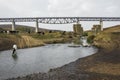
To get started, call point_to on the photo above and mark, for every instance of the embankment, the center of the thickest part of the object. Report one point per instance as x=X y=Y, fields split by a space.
x=22 y=41
x=108 y=41
x=25 y=41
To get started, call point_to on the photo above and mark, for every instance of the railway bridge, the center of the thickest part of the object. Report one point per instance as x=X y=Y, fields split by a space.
x=57 y=20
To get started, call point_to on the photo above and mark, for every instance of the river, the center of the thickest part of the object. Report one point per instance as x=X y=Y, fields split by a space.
x=40 y=59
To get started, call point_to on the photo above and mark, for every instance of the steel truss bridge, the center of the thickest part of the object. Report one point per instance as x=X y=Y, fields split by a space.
x=59 y=20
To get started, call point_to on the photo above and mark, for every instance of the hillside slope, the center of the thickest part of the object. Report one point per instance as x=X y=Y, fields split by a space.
x=23 y=28
x=109 y=38
x=115 y=28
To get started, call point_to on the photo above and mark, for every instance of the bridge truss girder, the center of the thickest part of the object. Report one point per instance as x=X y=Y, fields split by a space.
x=59 y=20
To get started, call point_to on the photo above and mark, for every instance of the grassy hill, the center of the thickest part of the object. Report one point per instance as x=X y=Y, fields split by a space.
x=109 y=38
x=23 y=28
x=115 y=28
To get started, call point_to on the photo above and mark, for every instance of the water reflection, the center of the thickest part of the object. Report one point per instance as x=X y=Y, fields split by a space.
x=15 y=56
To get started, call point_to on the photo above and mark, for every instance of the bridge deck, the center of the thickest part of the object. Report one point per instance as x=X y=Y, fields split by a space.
x=59 y=20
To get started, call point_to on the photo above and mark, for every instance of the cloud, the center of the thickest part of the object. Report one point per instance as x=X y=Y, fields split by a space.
x=24 y=7
x=45 y=8
x=83 y=7
x=60 y=7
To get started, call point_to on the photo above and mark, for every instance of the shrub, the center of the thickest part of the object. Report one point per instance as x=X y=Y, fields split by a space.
x=85 y=34
x=90 y=39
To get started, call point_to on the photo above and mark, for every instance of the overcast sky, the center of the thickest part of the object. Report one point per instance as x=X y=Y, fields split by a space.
x=54 y=8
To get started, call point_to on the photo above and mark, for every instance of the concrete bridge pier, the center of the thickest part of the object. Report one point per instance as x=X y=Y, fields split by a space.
x=101 y=24
x=78 y=29
x=13 y=25
x=37 y=26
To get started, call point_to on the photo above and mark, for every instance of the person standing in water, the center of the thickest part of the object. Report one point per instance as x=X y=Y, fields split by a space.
x=14 y=48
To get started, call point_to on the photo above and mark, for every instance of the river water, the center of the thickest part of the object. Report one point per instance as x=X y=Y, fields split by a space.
x=40 y=59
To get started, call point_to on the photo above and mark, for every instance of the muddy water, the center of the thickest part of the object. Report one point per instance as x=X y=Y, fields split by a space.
x=40 y=59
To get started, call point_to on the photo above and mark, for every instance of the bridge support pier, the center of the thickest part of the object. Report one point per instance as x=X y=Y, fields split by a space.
x=13 y=25
x=101 y=24
x=37 y=26
x=78 y=29
x=96 y=29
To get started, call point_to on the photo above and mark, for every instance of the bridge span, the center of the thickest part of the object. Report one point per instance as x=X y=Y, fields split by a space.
x=57 y=20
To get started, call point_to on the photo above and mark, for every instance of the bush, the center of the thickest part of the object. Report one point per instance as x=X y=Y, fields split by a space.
x=90 y=39
x=85 y=34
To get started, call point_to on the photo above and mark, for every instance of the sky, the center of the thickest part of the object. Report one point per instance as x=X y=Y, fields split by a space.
x=61 y=8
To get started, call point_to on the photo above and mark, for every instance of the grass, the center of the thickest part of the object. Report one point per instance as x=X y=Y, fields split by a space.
x=46 y=35
x=24 y=40
x=90 y=39
x=21 y=40
x=107 y=40
x=113 y=29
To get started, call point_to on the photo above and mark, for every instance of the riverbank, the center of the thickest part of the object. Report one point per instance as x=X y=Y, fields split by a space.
x=104 y=65
x=30 y=40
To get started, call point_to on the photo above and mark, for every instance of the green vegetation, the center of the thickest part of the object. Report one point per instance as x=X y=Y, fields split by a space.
x=23 y=39
x=85 y=34
x=23 y=29
x=90 y=39
x=109 y=38
x=76 y=40
x=4 y=35
x=113 y=29
x=46 y=35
